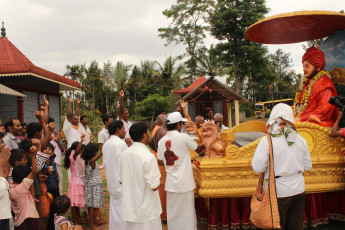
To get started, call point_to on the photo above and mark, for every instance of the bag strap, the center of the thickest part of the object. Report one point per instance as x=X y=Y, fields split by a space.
x=271 y=160
x=272 y=186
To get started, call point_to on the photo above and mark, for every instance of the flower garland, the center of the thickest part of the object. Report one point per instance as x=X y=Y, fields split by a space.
x=301 y=104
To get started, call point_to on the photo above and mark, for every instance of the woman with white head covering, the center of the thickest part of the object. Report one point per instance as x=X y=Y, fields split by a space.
x=291 y=158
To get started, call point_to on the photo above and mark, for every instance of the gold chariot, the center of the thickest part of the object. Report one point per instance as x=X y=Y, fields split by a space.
x=232 y=176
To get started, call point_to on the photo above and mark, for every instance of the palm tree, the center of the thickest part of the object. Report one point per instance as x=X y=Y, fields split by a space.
x=75 y=72
x=170 y=76
x=210 y=64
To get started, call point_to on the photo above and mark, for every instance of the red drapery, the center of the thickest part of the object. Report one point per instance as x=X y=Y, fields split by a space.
x=234 y=213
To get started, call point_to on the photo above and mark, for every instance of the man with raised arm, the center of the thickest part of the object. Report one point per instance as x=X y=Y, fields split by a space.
x=124 y=116
x=71 y=125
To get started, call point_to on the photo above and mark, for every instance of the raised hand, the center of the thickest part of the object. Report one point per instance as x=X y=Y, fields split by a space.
x=33 y=150
x=56 y=136
x=69 y=100
x=82 y=137
x=183 y=104
x=46 y=102
x=36 y=143
x=39 y=115
x=51 y=126
x=121 y=93
x=4 y=162
x=78 y=101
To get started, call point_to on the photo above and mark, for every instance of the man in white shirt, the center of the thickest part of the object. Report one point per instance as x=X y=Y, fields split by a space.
x=103 y=135
x=140 y=178
x=209 y=114
x=111 y=150
x=218 y=120
x=124 y=116
x=71 y=125
x=84 y=129
x=291 y=158
x=174 y=151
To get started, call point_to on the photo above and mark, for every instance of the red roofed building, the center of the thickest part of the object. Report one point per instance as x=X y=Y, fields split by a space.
x=209 y=92
x=31 y=82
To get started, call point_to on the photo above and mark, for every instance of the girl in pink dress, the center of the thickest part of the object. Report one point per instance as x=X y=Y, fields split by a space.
x=76 y=187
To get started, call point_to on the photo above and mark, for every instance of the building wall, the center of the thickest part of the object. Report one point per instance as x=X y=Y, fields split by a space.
x=31 y=105
x=54 y=110
x=8 y=107
x=191 y=110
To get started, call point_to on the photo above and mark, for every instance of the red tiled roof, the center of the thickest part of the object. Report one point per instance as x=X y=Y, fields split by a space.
x=12 y=61
x=192 y=86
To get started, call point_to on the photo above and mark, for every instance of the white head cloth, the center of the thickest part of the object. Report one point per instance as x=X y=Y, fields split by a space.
x=281 y=121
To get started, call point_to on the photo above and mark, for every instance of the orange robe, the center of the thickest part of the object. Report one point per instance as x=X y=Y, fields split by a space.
x=161 y=188
x=318 y=104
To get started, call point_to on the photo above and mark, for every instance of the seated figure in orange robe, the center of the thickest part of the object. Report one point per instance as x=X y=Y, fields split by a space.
x=311 y=102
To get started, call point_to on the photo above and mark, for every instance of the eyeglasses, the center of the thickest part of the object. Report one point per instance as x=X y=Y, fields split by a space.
x=217 y=122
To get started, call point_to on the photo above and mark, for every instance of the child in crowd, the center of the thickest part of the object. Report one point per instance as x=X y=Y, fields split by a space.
x=45 y=199
x=18 y=156
x=22 y=201
x=49 y=169
x=52 y=181
x=94 y=198
x=61 y=204
x=76 y=188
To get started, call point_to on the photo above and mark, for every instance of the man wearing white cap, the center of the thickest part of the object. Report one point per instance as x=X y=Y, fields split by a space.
x=179 y=183
x=291 y=158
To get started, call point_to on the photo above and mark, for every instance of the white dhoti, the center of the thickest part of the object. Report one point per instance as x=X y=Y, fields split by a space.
x=154 y=224
x=115 y=220
x=59 y=171
x=181 y=211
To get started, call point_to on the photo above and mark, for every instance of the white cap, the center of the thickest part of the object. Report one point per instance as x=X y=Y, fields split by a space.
x=175 y=117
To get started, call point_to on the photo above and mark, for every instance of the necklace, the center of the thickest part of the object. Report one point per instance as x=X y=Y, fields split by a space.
x=301 y=103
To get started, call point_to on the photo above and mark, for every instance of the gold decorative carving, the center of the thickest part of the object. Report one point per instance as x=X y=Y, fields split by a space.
x=233 y=176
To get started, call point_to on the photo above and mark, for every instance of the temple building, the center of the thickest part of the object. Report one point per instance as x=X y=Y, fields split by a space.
x=210 y=92
x=23 y=84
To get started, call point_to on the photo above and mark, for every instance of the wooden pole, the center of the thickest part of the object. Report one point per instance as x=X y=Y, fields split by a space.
x=228 y=106
x=237 y=112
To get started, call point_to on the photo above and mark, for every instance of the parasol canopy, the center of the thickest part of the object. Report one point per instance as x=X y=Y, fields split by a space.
x=295 y=27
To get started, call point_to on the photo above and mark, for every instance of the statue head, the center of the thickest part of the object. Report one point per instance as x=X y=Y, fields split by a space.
x=209 y=132
x=313 y=61
x=190 y=126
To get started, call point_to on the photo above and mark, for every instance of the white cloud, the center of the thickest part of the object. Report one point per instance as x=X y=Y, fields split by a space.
x=55 y=33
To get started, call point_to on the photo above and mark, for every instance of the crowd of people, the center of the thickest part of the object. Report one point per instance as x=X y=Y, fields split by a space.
x=32 y=156
x=145 y=186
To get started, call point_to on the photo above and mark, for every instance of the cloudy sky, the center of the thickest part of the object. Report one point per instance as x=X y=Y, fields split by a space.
x=54 y=33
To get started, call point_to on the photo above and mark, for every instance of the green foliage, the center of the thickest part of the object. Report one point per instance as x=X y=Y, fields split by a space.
x=153 y=105
x=248 y=109
x=188 y=27
x=228 y=23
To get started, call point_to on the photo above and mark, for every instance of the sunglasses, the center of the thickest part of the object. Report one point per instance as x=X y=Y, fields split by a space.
x=217 y=122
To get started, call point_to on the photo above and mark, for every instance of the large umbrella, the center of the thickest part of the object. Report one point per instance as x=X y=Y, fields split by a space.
x=295 y=27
